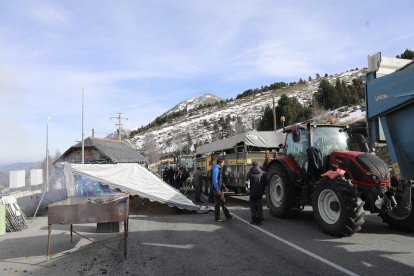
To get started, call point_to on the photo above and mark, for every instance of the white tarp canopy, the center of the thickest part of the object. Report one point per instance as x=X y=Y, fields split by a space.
x=260 y=139
x=135 y=179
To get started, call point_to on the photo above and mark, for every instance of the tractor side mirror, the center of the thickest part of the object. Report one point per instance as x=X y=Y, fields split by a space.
x=296 y=135
x=362 y=142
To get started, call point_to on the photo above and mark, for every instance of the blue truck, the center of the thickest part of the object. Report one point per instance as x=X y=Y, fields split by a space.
x=390 y=119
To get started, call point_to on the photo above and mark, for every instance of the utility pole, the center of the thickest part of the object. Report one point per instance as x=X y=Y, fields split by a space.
x=47 y=155
x=274 y=113
x=119 y=124
x=83 y=134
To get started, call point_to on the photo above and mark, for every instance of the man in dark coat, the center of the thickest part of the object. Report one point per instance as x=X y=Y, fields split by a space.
x=257 y=186
x=165 y=175
x=197 y=184
x=171 y=176
x=177 y=178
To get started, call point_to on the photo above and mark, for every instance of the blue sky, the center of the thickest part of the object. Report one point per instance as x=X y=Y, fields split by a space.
x=142 y=57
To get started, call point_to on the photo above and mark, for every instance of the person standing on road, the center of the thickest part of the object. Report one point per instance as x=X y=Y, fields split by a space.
x=165 y=175
x=218 y=189
x=177 y=178
x=197 y=184
x=171 y=176
x=257 y=185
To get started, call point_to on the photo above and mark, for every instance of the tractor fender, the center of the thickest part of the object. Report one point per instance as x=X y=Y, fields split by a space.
x=290 y=167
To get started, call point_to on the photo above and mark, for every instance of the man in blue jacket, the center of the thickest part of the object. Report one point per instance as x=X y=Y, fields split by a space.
x=218 y=190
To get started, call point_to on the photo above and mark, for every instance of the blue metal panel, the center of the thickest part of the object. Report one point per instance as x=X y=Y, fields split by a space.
x=390 y=92
x=391 y=98
x=399 y=132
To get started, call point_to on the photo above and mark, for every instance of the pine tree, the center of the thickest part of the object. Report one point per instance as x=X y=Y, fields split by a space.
x=359 y=87
x=216 y=132
x=266 y=122
x=408 y=54
x=290 y=108
x=326 y=95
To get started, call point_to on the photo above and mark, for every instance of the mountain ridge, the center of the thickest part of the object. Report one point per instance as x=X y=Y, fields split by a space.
x=195 y=102
x=198 y=124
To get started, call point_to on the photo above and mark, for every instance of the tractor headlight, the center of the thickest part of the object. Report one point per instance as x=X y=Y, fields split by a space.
x=372 y=176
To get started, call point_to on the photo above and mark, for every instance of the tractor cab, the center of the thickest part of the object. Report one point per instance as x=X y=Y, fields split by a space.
x=304 y=144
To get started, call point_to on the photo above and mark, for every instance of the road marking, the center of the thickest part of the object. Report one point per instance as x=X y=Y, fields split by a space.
x=313 y=255
x=185 y=246
x=367 y=264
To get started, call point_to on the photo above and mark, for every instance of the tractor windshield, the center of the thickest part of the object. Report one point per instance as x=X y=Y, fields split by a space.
x=297 y=149
x=328 y=139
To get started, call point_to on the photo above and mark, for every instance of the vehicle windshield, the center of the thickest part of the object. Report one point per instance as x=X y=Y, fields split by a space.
x=328 y=139
x=186 y=161
x=298 y=149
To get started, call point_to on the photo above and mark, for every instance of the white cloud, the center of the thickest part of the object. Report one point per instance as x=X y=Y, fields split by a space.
x=49 y=16
x=272 y=59
x=143 y=57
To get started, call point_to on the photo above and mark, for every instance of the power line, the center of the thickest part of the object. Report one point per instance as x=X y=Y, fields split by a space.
x=119 y=124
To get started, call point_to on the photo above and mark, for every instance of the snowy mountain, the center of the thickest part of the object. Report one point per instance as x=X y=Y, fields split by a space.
x=194 y=103
x=198 y=125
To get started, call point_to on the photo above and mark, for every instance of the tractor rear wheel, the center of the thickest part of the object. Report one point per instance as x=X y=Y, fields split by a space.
x=280 y=192
x=400 y=223
x=337 y=207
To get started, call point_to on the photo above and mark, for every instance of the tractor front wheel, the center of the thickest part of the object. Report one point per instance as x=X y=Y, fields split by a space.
x=280 y=192
x=337 y=208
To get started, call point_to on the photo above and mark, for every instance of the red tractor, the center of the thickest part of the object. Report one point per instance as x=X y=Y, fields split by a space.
x=318 y=169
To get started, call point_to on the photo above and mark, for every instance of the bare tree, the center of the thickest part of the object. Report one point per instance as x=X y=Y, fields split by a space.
x=319 y=114
x=56 y=156
x=188 y=143
x=150 y=148
x=239 y=126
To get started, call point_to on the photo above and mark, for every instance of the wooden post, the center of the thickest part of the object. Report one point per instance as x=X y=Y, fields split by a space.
x=49 y=230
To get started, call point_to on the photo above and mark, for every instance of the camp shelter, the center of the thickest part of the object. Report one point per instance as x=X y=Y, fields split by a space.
x=128 y=177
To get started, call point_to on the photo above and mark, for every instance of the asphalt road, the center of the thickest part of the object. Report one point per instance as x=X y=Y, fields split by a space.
x=374 y=250
x=194 y=244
